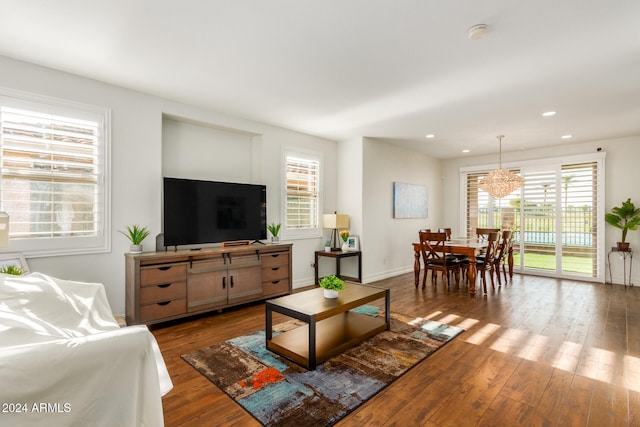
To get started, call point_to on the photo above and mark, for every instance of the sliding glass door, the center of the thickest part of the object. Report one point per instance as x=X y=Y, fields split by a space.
x=556 y=216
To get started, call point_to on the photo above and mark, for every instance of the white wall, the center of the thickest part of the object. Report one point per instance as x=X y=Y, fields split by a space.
x=387 y=241
x=621 y=178
x=137 y=168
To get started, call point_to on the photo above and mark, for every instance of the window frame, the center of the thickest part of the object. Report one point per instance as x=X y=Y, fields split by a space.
x=300 y=233
x=60 y=246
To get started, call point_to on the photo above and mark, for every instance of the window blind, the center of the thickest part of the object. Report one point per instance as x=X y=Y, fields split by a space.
x=302 y=193
x=53 y=165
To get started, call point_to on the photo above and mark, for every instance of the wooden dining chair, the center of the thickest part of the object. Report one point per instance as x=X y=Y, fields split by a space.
x=506 y=245
x=434 y=256
x=482 y=233
x=486 y=262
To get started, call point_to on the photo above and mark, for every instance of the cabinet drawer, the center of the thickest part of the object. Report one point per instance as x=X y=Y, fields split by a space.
x=275 y=287
x=278 y=259
x=162 y=310
x=275 y=273
x=163 y=292
x=163 y=274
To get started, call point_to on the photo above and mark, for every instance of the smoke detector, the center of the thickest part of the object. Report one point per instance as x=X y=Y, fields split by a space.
x=477 y=31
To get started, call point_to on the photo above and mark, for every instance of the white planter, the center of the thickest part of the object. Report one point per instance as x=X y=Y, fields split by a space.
x=135 y=249
x=330 y=293
x=327 y=248
x=275 y=239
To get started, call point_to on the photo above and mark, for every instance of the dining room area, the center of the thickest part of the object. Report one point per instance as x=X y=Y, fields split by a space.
x=488 y=252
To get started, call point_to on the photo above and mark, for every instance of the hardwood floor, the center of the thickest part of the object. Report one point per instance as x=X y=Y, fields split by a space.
x=537 y=352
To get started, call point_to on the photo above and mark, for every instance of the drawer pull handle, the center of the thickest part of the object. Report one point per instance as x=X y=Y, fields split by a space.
x=276 y=255
x=165 y=268
x=275 y=282
x=275 y=268
x=164 y=285
x=164 y=303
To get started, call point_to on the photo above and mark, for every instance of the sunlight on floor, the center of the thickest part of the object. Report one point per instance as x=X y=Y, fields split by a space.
x=590 y=362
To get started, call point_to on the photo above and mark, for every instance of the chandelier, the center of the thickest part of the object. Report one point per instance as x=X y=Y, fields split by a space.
x=500 y=182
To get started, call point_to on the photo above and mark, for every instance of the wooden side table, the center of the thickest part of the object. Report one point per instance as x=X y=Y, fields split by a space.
x=338 y=256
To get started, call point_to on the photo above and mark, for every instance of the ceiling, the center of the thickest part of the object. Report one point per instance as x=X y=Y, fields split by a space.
x=396 y=70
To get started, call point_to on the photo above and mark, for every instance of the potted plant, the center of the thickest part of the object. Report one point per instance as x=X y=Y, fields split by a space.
x=327 y=245
x=625 y=217
x=274 y=229
x=136 y=235
x=11 y=269
x=331 y=285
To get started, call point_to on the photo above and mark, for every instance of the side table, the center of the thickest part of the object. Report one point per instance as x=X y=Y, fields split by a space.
x=624 y=254
x=338 y=256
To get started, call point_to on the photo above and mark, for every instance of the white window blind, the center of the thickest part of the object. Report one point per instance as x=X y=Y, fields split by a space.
x=302 y=193
x=52 y=180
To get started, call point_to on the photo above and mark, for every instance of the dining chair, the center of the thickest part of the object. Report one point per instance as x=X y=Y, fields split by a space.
x=486 y=262
x=434 y=257
x=506 y=245
x=482 y=233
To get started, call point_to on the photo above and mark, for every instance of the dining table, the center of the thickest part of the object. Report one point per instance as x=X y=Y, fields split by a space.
x=470 y=246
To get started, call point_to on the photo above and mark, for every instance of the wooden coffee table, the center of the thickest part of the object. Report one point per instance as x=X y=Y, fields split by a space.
x=330 y=327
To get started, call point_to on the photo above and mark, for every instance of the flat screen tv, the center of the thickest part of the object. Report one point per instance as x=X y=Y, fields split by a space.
x=198 y=212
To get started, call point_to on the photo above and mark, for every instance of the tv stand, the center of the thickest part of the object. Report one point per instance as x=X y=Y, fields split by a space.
x=163 y=286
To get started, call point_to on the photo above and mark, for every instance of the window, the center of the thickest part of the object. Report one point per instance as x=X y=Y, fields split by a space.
x=52 y=182
x=302 y=198
x=557 y=215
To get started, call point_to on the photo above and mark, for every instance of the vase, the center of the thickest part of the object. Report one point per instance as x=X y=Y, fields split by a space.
x=330 y=293
x=345 y=247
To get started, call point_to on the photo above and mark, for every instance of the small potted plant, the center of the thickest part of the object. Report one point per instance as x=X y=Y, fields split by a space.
x=11 y=269
x=625 y=217
x=136 y=235
x=331 y=285
x=327 y=245
x=274 y=229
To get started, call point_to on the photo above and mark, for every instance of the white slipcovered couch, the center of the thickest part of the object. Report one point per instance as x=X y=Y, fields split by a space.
x=64 y=360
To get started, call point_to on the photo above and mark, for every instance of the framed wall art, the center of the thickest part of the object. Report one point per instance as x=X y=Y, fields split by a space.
x=410 y=200
x=14 y=259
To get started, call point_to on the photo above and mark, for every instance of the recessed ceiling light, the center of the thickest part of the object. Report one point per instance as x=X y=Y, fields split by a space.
x=549 y=113
x=566 y=136
x=465 y=151
x=430 y=136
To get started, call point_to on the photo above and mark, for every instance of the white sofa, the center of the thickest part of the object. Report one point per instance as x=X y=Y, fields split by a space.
x=64 y=360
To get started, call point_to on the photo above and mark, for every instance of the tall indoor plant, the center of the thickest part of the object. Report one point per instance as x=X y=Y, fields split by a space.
x=625 y=217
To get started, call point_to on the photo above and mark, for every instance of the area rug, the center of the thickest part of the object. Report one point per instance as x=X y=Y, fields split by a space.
x=278 y=392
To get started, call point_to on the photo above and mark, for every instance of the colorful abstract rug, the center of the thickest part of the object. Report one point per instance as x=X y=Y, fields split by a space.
x=278 y=392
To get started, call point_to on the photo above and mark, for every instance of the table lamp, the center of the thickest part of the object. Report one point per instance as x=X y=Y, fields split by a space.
x=4 y=229
x=335 y=221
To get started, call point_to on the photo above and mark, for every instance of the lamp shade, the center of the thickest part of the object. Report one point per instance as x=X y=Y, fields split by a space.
x=4 y=229
x=335 y=220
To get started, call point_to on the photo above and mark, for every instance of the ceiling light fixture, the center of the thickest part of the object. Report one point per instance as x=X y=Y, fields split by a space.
x=549 y=114
x=465 y=150
x=566 y=136
x=500 y=182
x=430 y=136
x=477 y=31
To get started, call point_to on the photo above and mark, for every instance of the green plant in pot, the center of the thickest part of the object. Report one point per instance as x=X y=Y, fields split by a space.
x=331 y=285
x=625 y=217
x=11 y=269
x=274 y=229
x=136 y=235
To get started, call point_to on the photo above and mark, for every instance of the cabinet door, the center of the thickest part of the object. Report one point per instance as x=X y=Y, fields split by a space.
x=207 y=285
x=245 y=282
